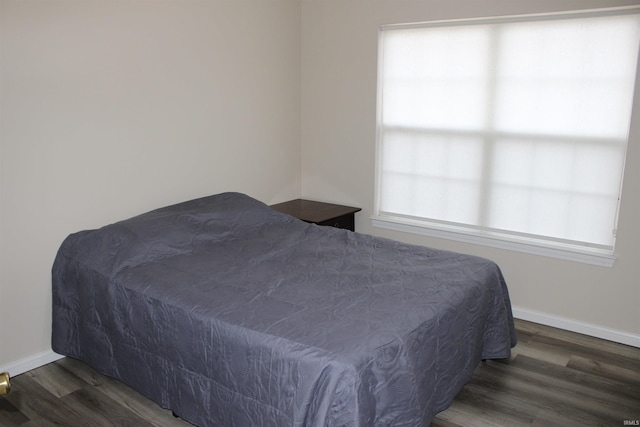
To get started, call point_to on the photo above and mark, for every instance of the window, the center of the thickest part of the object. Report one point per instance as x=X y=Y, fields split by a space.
x=510 y=132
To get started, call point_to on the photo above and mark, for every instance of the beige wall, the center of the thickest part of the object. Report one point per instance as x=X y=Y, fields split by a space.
x=110 y=108
x=339 y=54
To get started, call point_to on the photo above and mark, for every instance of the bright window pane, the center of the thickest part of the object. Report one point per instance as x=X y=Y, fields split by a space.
x=453 y=95
x=567 y=77
x=515 y=126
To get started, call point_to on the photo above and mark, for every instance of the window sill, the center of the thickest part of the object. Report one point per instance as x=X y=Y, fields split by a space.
x=565 y=252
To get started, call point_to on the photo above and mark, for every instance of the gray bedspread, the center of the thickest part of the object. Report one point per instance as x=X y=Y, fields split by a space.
x=232 y=314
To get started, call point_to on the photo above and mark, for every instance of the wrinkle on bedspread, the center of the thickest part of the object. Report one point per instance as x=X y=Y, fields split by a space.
x=232 y=314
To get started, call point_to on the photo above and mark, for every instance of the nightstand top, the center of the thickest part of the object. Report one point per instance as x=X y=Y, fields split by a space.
x=312 y=211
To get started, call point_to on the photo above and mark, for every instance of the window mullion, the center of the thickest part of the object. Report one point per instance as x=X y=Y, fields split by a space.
x=490 y=131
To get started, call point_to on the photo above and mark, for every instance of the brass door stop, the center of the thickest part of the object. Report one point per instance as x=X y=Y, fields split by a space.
x=5 y=385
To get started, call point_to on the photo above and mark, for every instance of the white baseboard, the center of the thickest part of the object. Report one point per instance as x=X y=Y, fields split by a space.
x=577 y=326
x=30 y=362
x=39 y=359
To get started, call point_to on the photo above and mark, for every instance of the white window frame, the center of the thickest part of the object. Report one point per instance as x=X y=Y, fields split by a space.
x=525 y=243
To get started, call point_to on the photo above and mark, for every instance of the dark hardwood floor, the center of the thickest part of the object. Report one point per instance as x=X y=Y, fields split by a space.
x=554 y=378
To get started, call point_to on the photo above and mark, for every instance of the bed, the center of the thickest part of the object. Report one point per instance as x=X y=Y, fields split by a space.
x=232 y=314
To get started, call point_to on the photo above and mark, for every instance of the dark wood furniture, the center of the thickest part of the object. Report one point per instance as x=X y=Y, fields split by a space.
x=320 y=213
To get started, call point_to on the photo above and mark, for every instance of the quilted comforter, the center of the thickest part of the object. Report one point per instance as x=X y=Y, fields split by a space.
x=232 y=314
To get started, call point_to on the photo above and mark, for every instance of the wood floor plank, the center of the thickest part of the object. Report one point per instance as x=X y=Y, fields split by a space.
x=553 y=388
x=57 y=381
x=552 y=418
x=97 y=406
x=520 y=393
x=10 y=416
x=474 y=405
x=40 y=423
x=440 y=422
x=82 y=371
x=623 y=374
x=464 y=415
x=594 y=352
x=124 y=395
x=530 y=330
x=42 y=407
x=557 y=357
x=618 y=388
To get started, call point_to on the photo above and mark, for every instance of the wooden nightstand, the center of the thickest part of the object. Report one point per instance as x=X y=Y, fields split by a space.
x=320 y=213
